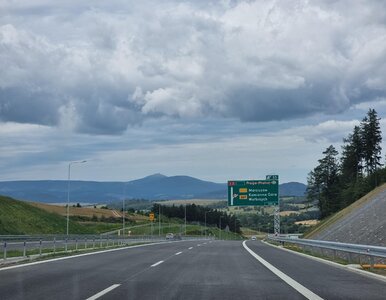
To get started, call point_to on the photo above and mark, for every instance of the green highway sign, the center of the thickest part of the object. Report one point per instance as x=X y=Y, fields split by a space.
x=253 y=192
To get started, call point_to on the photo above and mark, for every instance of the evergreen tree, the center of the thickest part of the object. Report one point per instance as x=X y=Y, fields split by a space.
x=352 y=157
x=371 y=140
x=324 y=183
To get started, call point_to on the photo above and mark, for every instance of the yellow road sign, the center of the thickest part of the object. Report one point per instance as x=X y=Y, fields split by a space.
x=151 y=216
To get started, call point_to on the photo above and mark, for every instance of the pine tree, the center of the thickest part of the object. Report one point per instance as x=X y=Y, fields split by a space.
x=323 y=183
x=371 y=140
x=352 y=157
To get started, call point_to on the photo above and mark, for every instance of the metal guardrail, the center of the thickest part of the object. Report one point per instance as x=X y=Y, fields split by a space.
x=27 y=245
x=366 y=250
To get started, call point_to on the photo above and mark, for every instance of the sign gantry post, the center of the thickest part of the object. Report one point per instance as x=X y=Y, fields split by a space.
x=276 y=214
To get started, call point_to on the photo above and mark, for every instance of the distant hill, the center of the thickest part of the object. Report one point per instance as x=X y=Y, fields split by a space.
x=296 y=189
x=363 y=222
x=154 y=187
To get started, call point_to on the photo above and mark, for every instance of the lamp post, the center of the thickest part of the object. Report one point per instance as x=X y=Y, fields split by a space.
x=68 y=191
x=159 y=220
x=185 y=218
x=123 y=209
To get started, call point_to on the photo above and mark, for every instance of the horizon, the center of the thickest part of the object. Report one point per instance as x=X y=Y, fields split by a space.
x=155 y=174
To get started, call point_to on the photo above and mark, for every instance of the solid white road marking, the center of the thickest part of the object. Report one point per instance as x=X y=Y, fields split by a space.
x=178 y=253
x=190 y=248
x=294 y=284
x=157 y=263
x=105 y=291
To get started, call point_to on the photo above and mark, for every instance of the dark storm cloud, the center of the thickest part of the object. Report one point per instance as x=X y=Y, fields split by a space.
x=24 y=106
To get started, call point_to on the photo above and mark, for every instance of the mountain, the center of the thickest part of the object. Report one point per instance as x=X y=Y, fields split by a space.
x=296 y=189
x=153 y=187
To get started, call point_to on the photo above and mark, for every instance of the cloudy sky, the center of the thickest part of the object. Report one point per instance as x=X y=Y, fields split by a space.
x=213 y=89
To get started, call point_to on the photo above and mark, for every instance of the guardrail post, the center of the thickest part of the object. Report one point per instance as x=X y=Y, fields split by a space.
x=100 y=241
x=93 y=243
x=76 y=244
x=372 y=263
x=5 y=250
x=54 y=245
x=349 y=257
x=40 y=247
x=65 y=245
x=24 y=249
x=85 y=243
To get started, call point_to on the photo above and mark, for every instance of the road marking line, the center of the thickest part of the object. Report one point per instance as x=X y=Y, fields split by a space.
x=157 y=263
x=190 y=248
x=291 y=282
x=178 y=253
x=198 y=245
x=105 y=291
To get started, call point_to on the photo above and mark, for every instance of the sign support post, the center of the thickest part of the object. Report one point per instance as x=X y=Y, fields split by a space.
x=276 y=220
x=276 y=214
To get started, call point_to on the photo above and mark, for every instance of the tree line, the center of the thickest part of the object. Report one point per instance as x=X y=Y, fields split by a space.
x=337 y=181
x=197 y=213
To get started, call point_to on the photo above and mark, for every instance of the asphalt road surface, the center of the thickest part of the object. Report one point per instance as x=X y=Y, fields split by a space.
x=188 y=270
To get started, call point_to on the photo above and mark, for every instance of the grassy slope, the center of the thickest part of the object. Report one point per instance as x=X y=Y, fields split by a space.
x=18 y=217
x=344 y=212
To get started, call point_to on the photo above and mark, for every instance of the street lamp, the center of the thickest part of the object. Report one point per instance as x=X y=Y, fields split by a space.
x=185 y=218
x=123 y=209
x=68 y=190
x=159 y=220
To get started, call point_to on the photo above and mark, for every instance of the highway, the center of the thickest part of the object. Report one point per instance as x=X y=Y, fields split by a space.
x=188 y=270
